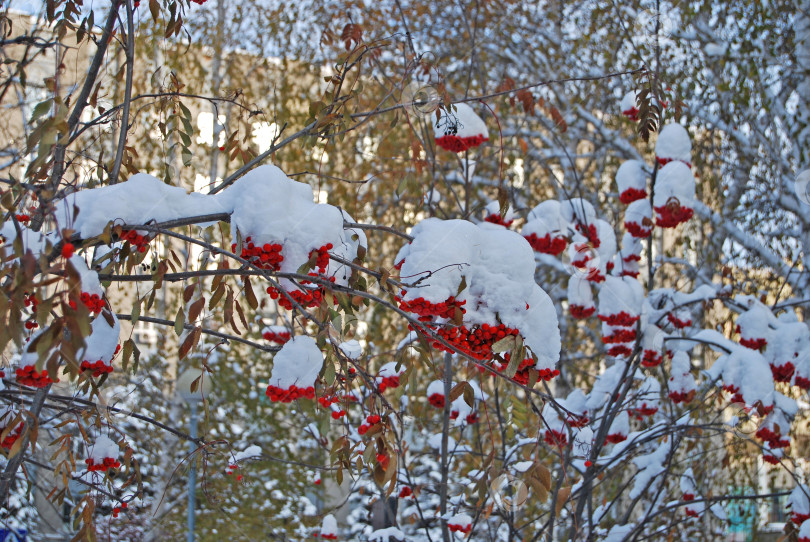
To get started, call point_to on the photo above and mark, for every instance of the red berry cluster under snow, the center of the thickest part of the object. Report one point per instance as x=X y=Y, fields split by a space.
x=427 y=311
x=460 y=129
x=477 y=290
x=295 y=369
x=28 y=375
x=371 y=421
x=267 y=256
x=140 y=242
x=106 y=464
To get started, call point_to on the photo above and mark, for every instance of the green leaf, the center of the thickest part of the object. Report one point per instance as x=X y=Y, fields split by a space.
x=504 y=345
x=136 y=312
x=179 y=321
x=41 y=108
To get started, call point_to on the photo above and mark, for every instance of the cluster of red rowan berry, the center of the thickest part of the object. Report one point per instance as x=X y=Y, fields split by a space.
x=672 y=214
x=643 y=411
x=476 y=342
x=140 y=242
x=590 y=234
x=632 y=194
x=12 y=437
x=117 y=509
x=677 y=322
x=31 y=300
x=556 y=439
x=774 y=440
x=615 y=438
x=495 y=218
x=231 y=469
x=280 y=395
x=465 y=529
x=371 y=421
x=681 y=396
x=28 y=376
x=427 y=310
x=638 y=230
x=388 y=382
x=267 y=256
x=106 y=464
x=97 y=368
x=620 y=319
x=436 y=400
x=308 y=298
x=93 y=302
x=754 y=343
x=581 y=311
x=454 y=143
x=31 y=324
x=651 y=358
x=24 y=219
x=279 y=337
x=522 y=373
x=547 y=244
x=620 y=335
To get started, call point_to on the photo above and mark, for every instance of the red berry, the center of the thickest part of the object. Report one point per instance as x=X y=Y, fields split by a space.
x=67 y=250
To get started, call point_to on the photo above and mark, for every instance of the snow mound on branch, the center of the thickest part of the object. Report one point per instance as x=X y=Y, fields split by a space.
x=386 y=535
x=621 y=295
x=89 y=279
x=799 y=502
x=297 y=363
x=270 y=207
x=497 y=267
x=632 y=181
x=578 y=210
x=748 y=372
x=247 y=453
x=329 y=528
x=673 y=144
x=460 y=123
x=140 y=199
x=264 y=204
x=102 y=343
x=352 y=349
x=103 y=447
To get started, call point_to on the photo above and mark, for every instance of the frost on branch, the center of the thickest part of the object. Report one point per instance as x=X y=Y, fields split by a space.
x=474 y=285
x=459 y=128
x=295 y=369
